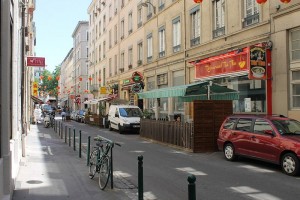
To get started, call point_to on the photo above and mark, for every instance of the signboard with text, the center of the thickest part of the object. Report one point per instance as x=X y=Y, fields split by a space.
x=36 y=61
x=222 y=64
x=257 y=63
x=35 y=89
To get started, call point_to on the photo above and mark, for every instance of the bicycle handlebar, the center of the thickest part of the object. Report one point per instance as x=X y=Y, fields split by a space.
x=100 y=139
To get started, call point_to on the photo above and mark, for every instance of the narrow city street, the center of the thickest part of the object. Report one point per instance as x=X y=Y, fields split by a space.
x=166 y=170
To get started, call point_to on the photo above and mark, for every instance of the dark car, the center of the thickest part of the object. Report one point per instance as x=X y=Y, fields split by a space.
x=80 y=116
x=274 y=139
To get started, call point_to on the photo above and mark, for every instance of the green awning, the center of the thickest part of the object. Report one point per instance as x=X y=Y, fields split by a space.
x=176 y=91
x=191 y=92
x=217 y=92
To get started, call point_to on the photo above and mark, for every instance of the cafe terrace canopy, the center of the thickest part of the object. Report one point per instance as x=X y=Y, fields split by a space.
x=191 y=92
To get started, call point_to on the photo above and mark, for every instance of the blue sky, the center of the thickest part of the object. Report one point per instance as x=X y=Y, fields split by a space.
x=55 y=21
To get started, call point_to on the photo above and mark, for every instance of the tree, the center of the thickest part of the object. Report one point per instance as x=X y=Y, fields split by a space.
x=49 y=82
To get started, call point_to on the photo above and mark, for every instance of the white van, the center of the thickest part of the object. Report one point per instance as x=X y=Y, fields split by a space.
x=124 y=117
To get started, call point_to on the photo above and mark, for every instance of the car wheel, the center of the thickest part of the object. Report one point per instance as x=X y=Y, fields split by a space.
x=120 y=129
x=229 y=152
x=109 y=126
x=290 y=164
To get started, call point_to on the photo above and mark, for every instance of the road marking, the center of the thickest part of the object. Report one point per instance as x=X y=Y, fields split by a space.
x=256 y=169
x=191 y=171
x=137 y=151
x=179 y=152
x=149 y=196
x=254 y=193
x=122 y=174
x=49 y=150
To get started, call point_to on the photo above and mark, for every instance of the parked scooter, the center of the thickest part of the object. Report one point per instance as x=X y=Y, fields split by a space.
x=47 y=120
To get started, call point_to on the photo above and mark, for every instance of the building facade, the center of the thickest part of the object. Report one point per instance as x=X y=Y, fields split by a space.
x=241 y=45
x=16 y=42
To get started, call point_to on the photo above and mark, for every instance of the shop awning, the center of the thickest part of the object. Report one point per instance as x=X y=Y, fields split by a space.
x=36 y=100
x=217 y=92
x=176 y=91
x=194 y=91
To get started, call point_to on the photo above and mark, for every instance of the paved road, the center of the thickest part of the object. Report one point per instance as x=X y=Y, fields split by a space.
x=166 y=170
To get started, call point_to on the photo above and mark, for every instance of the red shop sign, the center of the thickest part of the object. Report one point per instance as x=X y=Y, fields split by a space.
x=228 y=63
x=36 y=61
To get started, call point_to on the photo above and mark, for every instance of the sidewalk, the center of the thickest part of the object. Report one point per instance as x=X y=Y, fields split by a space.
x=52 y=170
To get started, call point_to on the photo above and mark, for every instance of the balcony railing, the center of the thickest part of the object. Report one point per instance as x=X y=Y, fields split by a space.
x=250 y=20
x=195 y=41
x=219 y=32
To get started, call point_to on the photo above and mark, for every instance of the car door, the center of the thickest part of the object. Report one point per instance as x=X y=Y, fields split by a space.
x=240 y=136
x=265 y=146
x=114 y=120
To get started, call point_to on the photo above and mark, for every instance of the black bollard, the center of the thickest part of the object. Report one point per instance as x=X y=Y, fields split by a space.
x=88 y=151
x=140 y=178
x=69 y=136
x=79 y=144
x=74 y=141
x=192 y=187
x=62 y=131
x=59 y=128
x=66 y=130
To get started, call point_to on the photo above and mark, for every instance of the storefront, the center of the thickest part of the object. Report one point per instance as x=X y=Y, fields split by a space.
x=246 y=70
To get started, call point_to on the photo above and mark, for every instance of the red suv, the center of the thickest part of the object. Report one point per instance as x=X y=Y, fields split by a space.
x=274 y=139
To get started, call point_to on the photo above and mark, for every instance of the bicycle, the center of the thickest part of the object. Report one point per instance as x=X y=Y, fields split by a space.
x=100 y=161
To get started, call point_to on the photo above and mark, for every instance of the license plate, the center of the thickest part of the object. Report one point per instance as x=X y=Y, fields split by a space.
x=136 y=126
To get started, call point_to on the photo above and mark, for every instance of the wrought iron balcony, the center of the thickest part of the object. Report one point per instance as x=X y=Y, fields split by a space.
x=250 y=20
x=219 y=32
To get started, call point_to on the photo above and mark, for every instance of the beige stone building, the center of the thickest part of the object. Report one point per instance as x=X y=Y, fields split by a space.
x=241 y=45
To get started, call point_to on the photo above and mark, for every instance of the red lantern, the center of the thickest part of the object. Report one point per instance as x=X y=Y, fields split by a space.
x=49 y=78
x=261 y=1
x=80 y=78
x=57 y=78
x=99 y=79
x=285 y=1
x=58 y=87
x=90 y=78
x=198 y=1
x=78 y=86
x=41 y=77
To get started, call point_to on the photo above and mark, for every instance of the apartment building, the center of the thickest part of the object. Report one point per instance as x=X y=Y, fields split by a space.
x=173 y=45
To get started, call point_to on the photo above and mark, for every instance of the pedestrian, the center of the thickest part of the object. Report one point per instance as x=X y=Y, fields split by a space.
x=63 y=116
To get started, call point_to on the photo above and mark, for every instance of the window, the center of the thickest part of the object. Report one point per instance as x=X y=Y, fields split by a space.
x=129 y=23
x=261 y=125
x=104 y=49
x=161 y=4
x=99 y=28
x=195 y=25
x=110 y=12
x=149 y=48
x=122 y=29
x=104 y=23
x=295 y=68
x=99 y=52
x=130 y=58
x=140 y=53
x=116 y=34
x=116 y=6
x=116 y=64
x=219 y=18
x=122 y=62
x=139 y=16
x=161 y=40
x=151 y=86
x=295 y=89
x=178 y=79
x=251 y=13
x=109 y=38
x=109 y=68
x=149 y=10
x=295 y=45
x=229 y=124
x=244 y=124
x=176 y=35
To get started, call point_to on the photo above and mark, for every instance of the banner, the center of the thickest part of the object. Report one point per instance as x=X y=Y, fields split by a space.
x=36 y=61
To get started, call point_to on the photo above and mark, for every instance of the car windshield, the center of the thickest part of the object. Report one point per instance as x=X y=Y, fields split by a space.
x=287 y=126
x=130 y=112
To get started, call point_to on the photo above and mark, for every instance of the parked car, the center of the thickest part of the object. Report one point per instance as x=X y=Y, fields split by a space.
x=80 y=116
x=124 y=117
x=273 y=139
x=73 y=114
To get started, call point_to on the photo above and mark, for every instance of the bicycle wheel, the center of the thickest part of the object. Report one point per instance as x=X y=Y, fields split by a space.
x=93 y=164
x=104 y=172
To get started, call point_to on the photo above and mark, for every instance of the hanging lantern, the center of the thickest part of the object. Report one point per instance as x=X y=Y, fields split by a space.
x=45 y=86
x=78 y=86
x=80 y=78
x=99 y=79
x=49 y=78
x=41 y=77
x=198 y=1
x=90 y=78
x=71 y=86
x=57 y=78
x=261 y=1
x=285 y=1
x=58 y=87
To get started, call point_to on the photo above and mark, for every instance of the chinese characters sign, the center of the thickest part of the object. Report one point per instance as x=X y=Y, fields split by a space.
x=257 y=63
x=35 y=89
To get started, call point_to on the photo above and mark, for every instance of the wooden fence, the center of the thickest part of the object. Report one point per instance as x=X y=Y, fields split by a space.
x=170 y=132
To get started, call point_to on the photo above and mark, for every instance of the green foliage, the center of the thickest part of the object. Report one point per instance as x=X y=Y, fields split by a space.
x=50 y=86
